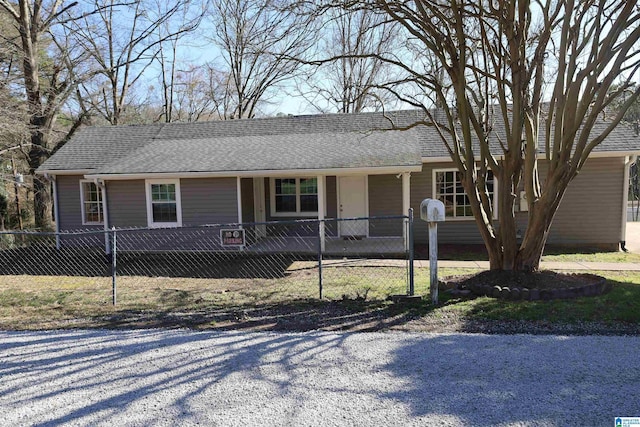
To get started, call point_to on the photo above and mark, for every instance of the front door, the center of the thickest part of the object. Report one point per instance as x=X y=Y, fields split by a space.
x=352 y=203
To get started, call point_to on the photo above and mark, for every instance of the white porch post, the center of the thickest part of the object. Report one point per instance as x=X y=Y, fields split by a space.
x=628 y=160
x=239 y=197
x=321 y=208
x=406 y=204
x=105 y=214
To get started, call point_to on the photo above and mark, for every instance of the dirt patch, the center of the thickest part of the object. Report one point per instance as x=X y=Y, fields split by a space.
x=295 y=316
x=545 y=285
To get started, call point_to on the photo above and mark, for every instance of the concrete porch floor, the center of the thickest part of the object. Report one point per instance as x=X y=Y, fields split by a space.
x=334 y=246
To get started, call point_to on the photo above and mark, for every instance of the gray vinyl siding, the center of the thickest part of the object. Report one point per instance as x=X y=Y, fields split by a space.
x=246 y=186
x=331 y=227
x=590 y=212
x=385 y=199
x=69 y=206
x=332 y=197
x=209 y=201
x=463 y=231
x=203 y=201
x=127 y=203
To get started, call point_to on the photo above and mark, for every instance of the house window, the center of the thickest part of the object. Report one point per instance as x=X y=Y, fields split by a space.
x=449 y=190
x=163 y=203
x=91 y=203
x=294 y=196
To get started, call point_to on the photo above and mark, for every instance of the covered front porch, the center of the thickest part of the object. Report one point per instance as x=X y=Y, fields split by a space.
x=347 y=205
x=333 y=246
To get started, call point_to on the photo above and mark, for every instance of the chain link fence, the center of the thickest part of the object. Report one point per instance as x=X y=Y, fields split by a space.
x=359 y=258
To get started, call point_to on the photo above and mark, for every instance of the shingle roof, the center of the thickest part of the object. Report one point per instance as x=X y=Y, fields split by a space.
x=264 y=152
x=93 y=147
x=279 y=143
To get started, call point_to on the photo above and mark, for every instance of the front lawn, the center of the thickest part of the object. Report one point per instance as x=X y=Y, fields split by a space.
x=354 y=300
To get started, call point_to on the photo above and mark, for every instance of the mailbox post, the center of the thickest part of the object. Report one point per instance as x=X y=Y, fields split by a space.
x=432 y=211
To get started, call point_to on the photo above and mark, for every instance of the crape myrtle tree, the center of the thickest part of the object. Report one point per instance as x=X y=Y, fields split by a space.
x=516 y=82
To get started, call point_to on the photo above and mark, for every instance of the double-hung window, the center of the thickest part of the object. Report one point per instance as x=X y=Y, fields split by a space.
x=163 y=203
x=447 y=187
x=91 y=203
x=294 y=196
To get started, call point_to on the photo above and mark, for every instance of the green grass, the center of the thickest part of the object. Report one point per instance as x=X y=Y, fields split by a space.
x=551 y=253
x=622 y=304
x=478 y=253
x=592 y=256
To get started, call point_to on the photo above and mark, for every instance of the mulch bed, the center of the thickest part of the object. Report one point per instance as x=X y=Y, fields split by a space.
x=541 y=285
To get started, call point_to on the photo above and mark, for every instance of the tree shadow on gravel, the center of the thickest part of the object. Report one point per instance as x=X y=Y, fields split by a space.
x=175 y=377
x=486 y=380
x=144 y=378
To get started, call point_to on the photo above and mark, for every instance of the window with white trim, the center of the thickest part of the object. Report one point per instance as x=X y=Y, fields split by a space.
x=163 y=203
x=91 y=203
x=448 y=188
x=294 y=196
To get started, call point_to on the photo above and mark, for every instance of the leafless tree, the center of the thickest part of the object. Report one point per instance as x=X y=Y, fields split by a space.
x=123 y=40
x=12 y=111
x=196 y=94
x=174 y=46
x=517 y=82
x=47 y=80
x=257 y=41
x=348 y=79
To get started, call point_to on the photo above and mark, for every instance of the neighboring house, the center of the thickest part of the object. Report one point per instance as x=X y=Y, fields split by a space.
x=320 y=166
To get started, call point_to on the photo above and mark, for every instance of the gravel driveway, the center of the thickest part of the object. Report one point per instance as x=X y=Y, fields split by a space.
x=158 y=377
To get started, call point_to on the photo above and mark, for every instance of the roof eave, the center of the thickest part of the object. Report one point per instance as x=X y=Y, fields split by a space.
x=594 y=154
x=54 y=172
x=381 y=170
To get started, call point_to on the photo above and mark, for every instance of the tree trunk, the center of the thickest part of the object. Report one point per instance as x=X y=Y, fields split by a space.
x=42 y=201
x=42 y=204
x=528 y=255
x=533 y=244
x=541 y=216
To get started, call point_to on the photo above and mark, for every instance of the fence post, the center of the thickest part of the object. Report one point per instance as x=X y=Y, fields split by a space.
x=107 y=243
x=320 y=239
x=114 y=256
x=411 y=253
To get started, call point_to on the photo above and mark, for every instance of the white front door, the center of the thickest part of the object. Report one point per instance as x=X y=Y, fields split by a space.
x=352 y=203
x=259 y=214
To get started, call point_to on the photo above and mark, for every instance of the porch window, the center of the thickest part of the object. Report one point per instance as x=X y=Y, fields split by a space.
x=294 y=196
x=91 y=203
x=449 y=190
x=163 y=203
